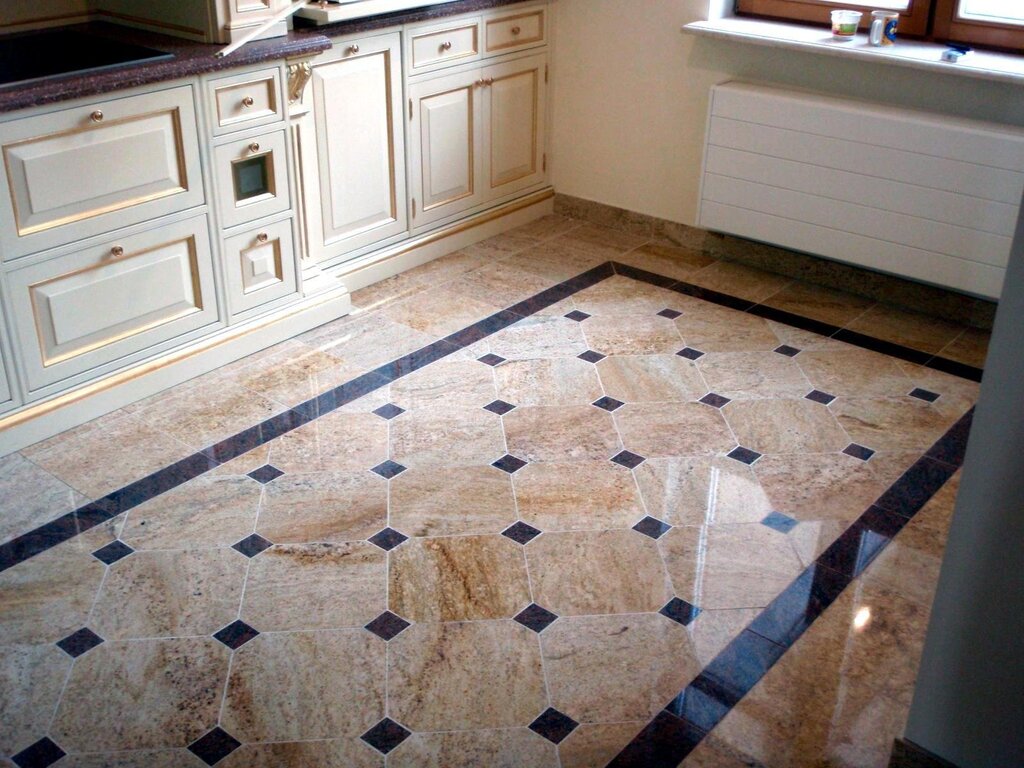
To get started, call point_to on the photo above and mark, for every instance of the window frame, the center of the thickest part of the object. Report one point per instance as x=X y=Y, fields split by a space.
x=950 y=26
x=913 y=21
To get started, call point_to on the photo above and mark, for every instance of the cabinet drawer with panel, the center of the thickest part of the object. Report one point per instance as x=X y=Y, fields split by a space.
x=434 y=47
x=509 y=32
x=245 y=101
x=85 y=170
x=92 y=307
x=252 y=178
x=259 y=266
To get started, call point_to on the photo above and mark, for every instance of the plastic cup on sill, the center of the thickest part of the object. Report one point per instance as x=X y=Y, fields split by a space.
x=844 y=24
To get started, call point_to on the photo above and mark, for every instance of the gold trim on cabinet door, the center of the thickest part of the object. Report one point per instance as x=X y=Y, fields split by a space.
x=535 y=131
x=472 y=148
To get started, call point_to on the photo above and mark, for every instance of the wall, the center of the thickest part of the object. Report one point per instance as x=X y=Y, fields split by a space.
x=18 y=12
x=630 y=98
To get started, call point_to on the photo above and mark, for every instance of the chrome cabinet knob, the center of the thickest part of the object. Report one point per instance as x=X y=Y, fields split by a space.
x=248 y=101
x=353 y=48
x=117 y=251
x=254 y=147
x=446 y=45
x=262 y=237
x=97 y=116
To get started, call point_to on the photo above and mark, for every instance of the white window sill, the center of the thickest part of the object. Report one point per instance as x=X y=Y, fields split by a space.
x=1000 y=67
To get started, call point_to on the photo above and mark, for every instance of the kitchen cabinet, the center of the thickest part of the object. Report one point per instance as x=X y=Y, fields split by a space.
x=477 y=136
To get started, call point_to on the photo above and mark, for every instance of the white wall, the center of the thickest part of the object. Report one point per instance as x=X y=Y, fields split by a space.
x=630 y=98
x=16 y=12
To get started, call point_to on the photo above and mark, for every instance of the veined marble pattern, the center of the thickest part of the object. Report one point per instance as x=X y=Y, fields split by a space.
x=512 y=557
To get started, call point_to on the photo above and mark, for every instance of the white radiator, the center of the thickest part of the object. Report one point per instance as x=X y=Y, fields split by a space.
x=915 y=194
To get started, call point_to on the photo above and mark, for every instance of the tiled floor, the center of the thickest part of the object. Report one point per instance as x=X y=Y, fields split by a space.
x=515 y=555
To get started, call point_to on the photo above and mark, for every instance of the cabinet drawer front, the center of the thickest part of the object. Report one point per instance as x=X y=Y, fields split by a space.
x=97 y=305
x=260 y=266
x=252 y=178
x=509 y=33
x=449 y=45
x=82 y=171
x=246 y=100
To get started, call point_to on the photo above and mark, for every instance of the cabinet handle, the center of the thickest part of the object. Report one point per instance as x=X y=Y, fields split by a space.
x=262 y=237
x=488 y=81
x=516 y=30
x=97 y=116
x=480 y=83
x=353 y=48
x=248 y=101
x=254 y=147
x=117 y=251
x=446 y=45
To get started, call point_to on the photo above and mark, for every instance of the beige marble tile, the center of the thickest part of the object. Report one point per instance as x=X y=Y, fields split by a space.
x=667 y=260
x=656 y=430
x=139 y=758
x=297 y=686
x=148 y=694
x=565 y=433
x=597 y=572
x=805 y=340
x=385 y=292
x=818 y=303
x=462 y=383
x=31 y=496
x=465 y=675
x=507 y=748
x=546 y=227
x=458 y=501
x=595 y=745
x=969 y=347
x=702 y=490
x=739 y=280
x=323 y=507
x=615 y=668
x=244 y=464
x=555 y=260
x=109 y=455
x=343 y=442
x=336 y=753
x=31 y=680
x=785 y=426
x=548 y=381
x=439 y=311
x=47 y=597
x=717 y=329
x=586 y=495
x=501 y=246
x=620 y=295
x=538 y=336
x=210 y=511
x=446 y=436
x=956 y=395
x=448 y=267
x=459 y=578
x=811 y=538
x=295 y=374
x=853 y=372
x=170 y=594
x=632 y=335
x=316 y=586
x=729 y=566
x=651 y=378
x=892 y=424
x=753 y=375
x=366 y=341
x=500 y=284
x=601 y=241
x=910 y=329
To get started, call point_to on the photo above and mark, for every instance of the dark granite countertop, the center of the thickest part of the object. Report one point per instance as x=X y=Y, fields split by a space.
x=198 y=58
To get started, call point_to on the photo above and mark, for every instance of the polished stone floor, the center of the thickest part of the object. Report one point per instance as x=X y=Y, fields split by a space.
x=515 y=555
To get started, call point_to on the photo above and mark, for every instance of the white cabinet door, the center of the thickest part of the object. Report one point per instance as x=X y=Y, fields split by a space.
x=446 y=146
x=513 y=107
x=359 y=195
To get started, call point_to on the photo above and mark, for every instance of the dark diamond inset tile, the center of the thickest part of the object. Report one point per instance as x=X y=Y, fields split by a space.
x=536 y=618
x=252 y=545
x=266 y=473
x=77 y=643
x=924 y=394
x=40 y=755
x=389 y=411
x=787 y=350
x=690 y=353
x=858 y=451
x=112 y=552
x=388 y=539
x=388 y=625
x=779 y=522
x=820 y=397
x=653 y=527
x=236 y=634
x=680 y=611
x=509 y=463
x=608 y=404
x=499 y=407
x=388 y=469
x=715 y=401
x=553 y=725
x=491 y=360
x=628 y=459
x=671 y=314
x=578 y=316
x=386 y=735
x=591 y=356
x=744 y=455
x=214 y=746
x=521 y=532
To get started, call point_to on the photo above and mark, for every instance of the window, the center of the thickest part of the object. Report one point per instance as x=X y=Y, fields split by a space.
x=991 y=23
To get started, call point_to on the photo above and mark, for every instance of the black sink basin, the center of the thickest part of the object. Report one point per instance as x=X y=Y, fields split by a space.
x=49 y=53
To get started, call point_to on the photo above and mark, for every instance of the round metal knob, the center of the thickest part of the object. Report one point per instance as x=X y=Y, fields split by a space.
x=353 y=48
x=516 y=30
x=117 y=251
x=97 y=116
x=262 y=237
x=248 y=101
x=489 y=81
x=254 y=147
x=446 y=45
